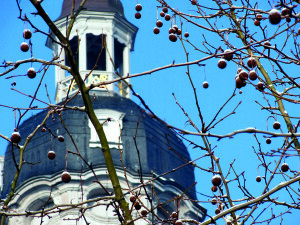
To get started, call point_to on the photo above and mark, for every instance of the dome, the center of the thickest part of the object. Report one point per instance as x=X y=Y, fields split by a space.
x=93 y=5
x=153 y=139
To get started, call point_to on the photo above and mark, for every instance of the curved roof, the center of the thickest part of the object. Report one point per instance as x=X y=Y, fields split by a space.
x=93 y=5
x=155 y=154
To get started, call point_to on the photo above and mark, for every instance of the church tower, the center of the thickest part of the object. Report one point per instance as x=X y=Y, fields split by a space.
x=148 y=156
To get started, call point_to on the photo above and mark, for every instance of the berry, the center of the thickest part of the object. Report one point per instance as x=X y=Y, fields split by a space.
x=60 y=138
x=156 y=30
x=251 y=62
x=43 y=129
x=252 y=75
x=194 y=2
x=175 y=27
x=66 y=177
x=214 y=188
x=288 y=19
x=132 y=198
x=285 y=12
x=178 y=222
x=144 y=212
x=229 y=55
x=258 y=179
x=51 y=155
x=138 y=7
x=174 y=215
x=217 y=211
x=165 y=9
x=31 y=73
x=285 y=167
x=167 y=17
x=239 y=70
x=260 y=86
x=171 y=31
x=243 y=75
x=24 y=47
x=267 y=44
x=222 y=63
x=173 y=37
x=159 y=23
x=274 y=17
x=15 y=137
x=162 y=14
x=258 y=17
x=216 y=180
x=276 y=125
x=238 y=83
x=137 y=206
x=186 y=34
x=256 y=23
x=178 y=32
x=205 y=84
x=27 y=34
x=138 y=15
x=214 y=201
x=268 y=141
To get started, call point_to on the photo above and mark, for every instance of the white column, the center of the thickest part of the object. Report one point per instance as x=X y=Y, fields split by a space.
x=126 y=65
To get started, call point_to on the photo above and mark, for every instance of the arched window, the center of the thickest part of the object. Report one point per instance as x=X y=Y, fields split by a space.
x=94 y=52
x=75 y=50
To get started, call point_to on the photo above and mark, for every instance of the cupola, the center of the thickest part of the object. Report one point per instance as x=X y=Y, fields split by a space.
x=101 y=41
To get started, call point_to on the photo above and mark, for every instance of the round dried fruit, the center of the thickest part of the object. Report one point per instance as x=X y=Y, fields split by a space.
x=258 y=179
x=162 y=14
x=222 y=63
x=31 y=73
x=228 y=54
x=173 y=37
x=251 y=62
x=214 y=188
x=258 y=17
x=256 y=23
x=274 y=16
x=24 y=47
x=243 y=75
x=205 y=84
x=268 y=141
x=178 y=222
x=51 y=155
x=132 y=198
x=260 y=86
x=27 y=34
x=144 y=212
x=186 y=34
x=15 y=137
x=167 y=17
x=60 y=138
x=285 y=167
x=156 y=30
x=138 y=7
x=252 y=75
x=214 y=201
x=66 y=177
x=138 y=15
x=216 y=180
x=276 y=125
x=159 y=23
x=174 y=215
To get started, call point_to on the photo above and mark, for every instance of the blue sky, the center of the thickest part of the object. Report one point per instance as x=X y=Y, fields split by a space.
x=152 y=51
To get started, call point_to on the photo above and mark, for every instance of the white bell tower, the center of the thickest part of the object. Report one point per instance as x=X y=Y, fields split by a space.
x=101 y=41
